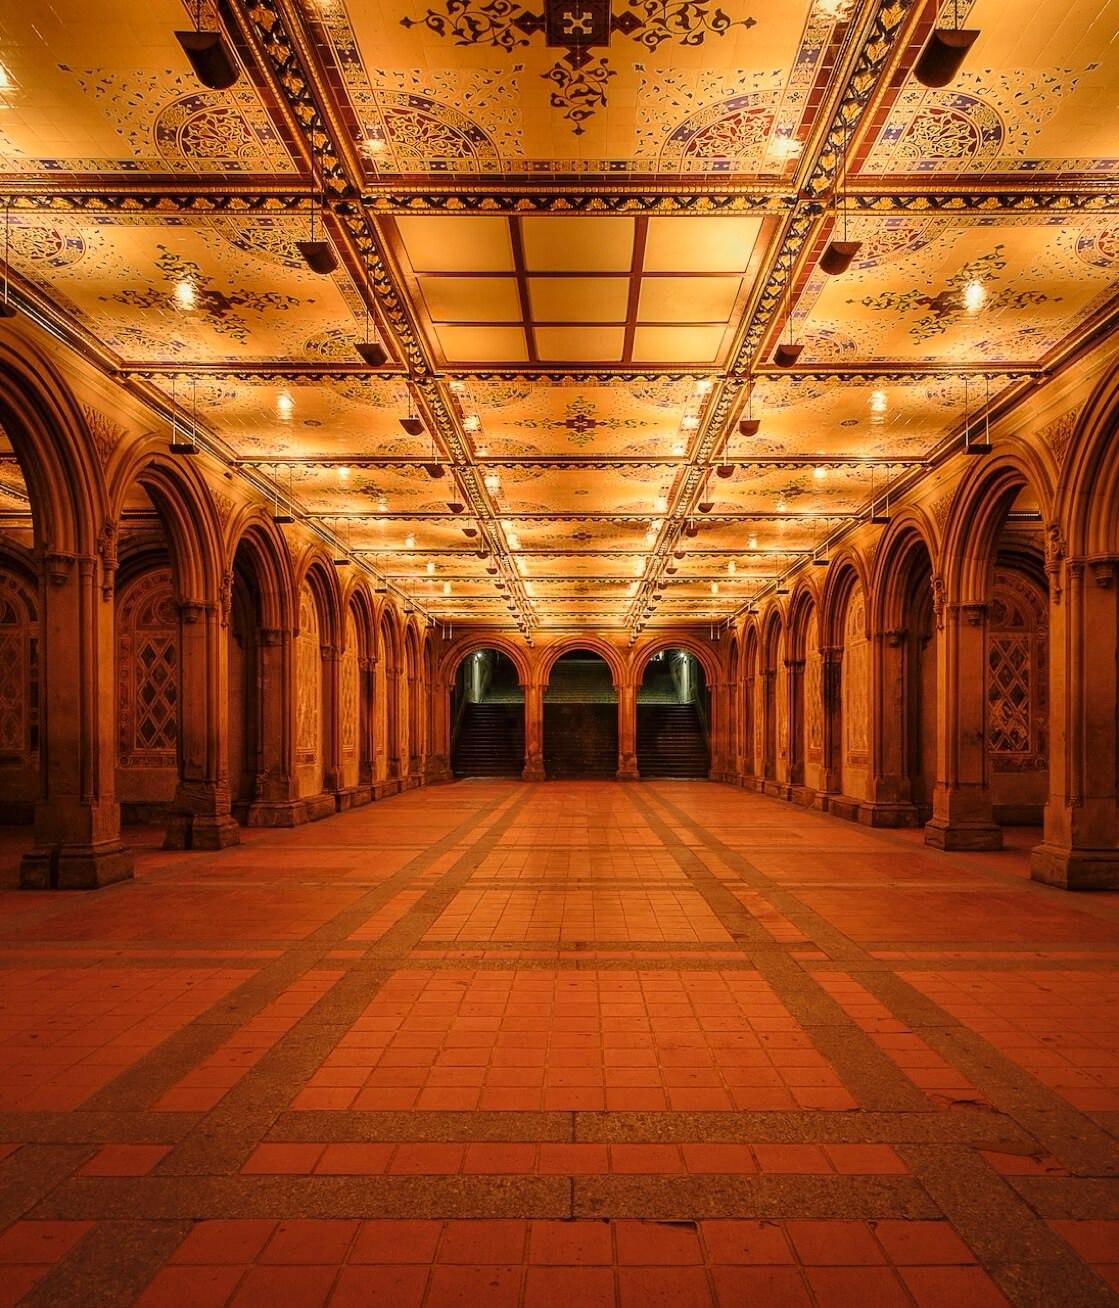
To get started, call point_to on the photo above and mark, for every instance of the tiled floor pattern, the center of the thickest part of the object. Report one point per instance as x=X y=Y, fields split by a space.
x=570 y=1044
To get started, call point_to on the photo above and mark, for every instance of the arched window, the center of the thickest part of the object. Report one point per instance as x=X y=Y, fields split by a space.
x=1016 y=674
x=148 y=672
x=856 y=679
x=308 y=680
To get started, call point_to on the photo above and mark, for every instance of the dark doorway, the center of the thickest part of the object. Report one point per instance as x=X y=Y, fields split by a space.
x=487 y=717
x=580 y=718
x=672 y=716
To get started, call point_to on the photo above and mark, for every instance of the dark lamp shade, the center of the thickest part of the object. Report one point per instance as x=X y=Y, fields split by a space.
x=837 y=257
x=749 y=426
x=435 y=470
x=725 y=470
x=413 y=426
x=373 y=352
x=8 y=309
x=786 y=355
x=706 y=506
x=209 y=56
x=944 y=52
x=180 y=446
x=319 y=256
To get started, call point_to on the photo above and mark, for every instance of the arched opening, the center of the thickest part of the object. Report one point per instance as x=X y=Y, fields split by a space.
x=580 y=717
x=487 y=717
x=812 y=712
x=246 y=708
x=854 y=680
x=1017 y=671
x=19 y=707
x=148 y=667
x=919 y=675
x=388 y=698
x=673 y=712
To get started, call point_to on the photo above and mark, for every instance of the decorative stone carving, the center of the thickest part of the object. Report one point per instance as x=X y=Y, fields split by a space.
x=107 y=549
x=856 y=679
x=1058 y=434
x=223 y=505
x=106 y=434
x=937 y=583
x=225 y=597
x=1054 y=553
x=940 y=509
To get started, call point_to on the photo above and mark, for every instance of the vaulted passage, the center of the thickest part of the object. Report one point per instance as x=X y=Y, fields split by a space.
x=610 y=1044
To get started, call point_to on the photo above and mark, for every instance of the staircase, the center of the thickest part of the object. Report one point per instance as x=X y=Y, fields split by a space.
x=580 y=740
x=670 y=741
x=490 y=741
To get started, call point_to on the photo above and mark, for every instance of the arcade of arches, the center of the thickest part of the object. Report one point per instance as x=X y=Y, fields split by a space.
x=171 y=656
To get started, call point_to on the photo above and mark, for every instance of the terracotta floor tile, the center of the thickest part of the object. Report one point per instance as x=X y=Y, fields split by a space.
x=380 y=1287
x=472 y=1243
x=294 y=1287
x=869 y=1287
x=199 y=1286
x=755 y=1287
x=470 y=1286
x=396 y=1242
x=834 y=1244
x=224 y=1241
x=657 y=1243
x=664 y=1287
x=324 y=1241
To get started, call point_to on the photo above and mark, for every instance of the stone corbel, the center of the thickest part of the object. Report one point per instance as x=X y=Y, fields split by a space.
x=191 y=611
x=896 y=637
x=1103 y=572
x=1054 y=553
x=107 y=549
x=272 y=635
x=973 y=614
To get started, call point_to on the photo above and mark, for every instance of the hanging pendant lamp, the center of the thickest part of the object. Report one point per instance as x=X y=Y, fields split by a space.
x=944 y=52
x=838 y=255
x=209 y=56
x=318 y=253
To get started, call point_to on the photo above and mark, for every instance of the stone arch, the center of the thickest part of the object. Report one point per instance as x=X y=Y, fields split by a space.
x=320 y=575
x=595 y=644
x=805 y=686
x=647 y=649
x=846 y=572
x=1086 y=505
x=977 y=516
x=55 y=448
x=388 y=671
x=906 y=606
x=262 y=545
x=751 y=699
x=773 y=679
x=908 y=533
x=182 y=498
x=357 y=663
x=466 y=645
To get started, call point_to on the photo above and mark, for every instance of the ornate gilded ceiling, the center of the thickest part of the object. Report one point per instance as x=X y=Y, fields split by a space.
x=580 y=229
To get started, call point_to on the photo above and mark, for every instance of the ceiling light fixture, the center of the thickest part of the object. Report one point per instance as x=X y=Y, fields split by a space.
x=286 y=517
x=7 y=308
x=209 y=55
x=979 y=445
x=181 y=442
x=837 y=257
x=318 y=254
x=787 y=353
x=371 y=350
x=975 y=296
x=749 y=425
x=944 y=52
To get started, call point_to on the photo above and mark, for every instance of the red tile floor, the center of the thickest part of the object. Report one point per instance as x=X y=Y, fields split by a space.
x=572 y=1044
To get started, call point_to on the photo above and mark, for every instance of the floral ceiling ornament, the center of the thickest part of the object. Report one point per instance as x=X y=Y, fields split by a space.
x=579 y=81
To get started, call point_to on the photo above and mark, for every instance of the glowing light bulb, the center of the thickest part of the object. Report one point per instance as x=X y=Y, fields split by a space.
x=185 y=296
x=638 y=568
x=974 y=297
x=446 y=588
x=343 y=473
x=819 y=473
x=409 y=542
x=471 y=422
x=780 y=506
x=732 y=568
x=492 y=482
x=430 y=567
x=678 y=449
x=714 y=588
x=752 y=543
x=661 y=504
x=689 y=422
x=704 y=385
x=878 y=401
x=285 y=405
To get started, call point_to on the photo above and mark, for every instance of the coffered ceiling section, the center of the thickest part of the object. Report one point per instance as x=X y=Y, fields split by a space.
x=580 y=290
x=579 y=229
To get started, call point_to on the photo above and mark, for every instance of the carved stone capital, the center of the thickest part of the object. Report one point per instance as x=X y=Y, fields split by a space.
x=57 y=567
